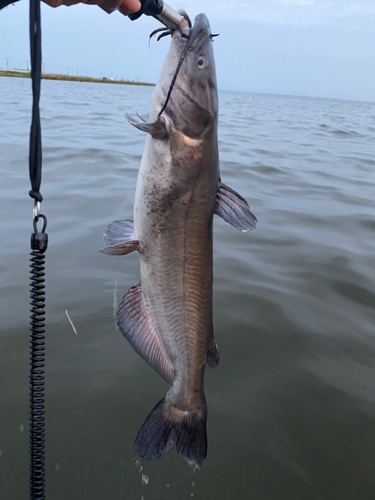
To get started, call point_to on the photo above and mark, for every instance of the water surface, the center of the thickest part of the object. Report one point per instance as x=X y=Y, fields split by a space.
x=292 y=403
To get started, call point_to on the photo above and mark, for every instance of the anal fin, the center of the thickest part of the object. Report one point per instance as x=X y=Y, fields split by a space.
x=138 y=327
x=234 y=209
x=119 y=237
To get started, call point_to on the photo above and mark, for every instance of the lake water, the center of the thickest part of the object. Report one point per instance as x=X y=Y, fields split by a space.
x=292 y=403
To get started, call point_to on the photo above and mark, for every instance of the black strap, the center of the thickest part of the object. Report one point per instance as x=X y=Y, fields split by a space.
x=35 y=153
x=39 y=242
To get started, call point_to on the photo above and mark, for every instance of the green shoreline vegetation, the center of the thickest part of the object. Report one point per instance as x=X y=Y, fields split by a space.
x=53 y=76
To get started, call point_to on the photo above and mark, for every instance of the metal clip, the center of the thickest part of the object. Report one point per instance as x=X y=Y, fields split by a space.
x=36 y=209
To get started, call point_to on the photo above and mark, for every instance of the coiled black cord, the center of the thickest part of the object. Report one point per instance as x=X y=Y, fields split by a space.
x=36 y=378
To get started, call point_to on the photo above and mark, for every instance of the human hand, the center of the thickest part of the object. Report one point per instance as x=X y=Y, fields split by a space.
x=126 y=7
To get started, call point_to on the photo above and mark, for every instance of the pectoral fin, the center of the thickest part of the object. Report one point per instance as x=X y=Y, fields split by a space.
x=119 y=237
x=138 y=327
x=157 y=129
x=234 y=209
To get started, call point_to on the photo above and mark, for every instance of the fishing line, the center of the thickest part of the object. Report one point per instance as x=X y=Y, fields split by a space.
x=188 y=45
x=182 y=57
x=39 y=242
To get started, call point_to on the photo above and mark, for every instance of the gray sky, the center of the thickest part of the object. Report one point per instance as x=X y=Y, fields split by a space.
x=301 y=47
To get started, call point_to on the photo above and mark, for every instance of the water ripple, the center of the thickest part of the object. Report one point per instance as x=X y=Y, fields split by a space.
x=292 y=402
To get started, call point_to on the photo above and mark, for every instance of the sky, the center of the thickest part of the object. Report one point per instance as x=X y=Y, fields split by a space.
x=295 y=47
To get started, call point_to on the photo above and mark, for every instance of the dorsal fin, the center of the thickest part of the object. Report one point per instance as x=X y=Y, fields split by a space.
x=234 y=209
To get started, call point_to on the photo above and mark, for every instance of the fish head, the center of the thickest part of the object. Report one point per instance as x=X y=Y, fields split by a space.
x=190 y=99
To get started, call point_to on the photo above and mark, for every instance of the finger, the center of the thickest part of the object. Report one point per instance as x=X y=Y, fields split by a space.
x=129 y=6
x=53 y=3
x=68 y=3
x=108 y=5
x=124 y=6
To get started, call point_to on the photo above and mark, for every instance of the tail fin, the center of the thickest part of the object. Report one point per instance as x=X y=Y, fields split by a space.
x=166 y=427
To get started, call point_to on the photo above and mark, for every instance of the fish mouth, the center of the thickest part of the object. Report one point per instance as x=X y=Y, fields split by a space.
x=200 y=28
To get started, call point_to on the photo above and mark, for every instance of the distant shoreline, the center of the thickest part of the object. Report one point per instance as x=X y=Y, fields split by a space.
x=70 y=78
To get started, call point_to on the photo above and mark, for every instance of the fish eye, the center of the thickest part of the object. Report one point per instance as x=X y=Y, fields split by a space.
x=202 y=62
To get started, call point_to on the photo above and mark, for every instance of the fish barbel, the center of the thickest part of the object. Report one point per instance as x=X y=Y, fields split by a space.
x=167 y=318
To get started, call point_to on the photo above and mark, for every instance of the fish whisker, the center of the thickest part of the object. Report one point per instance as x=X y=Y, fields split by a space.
x=158 y=30
x=166 y=31
x=163 y=35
